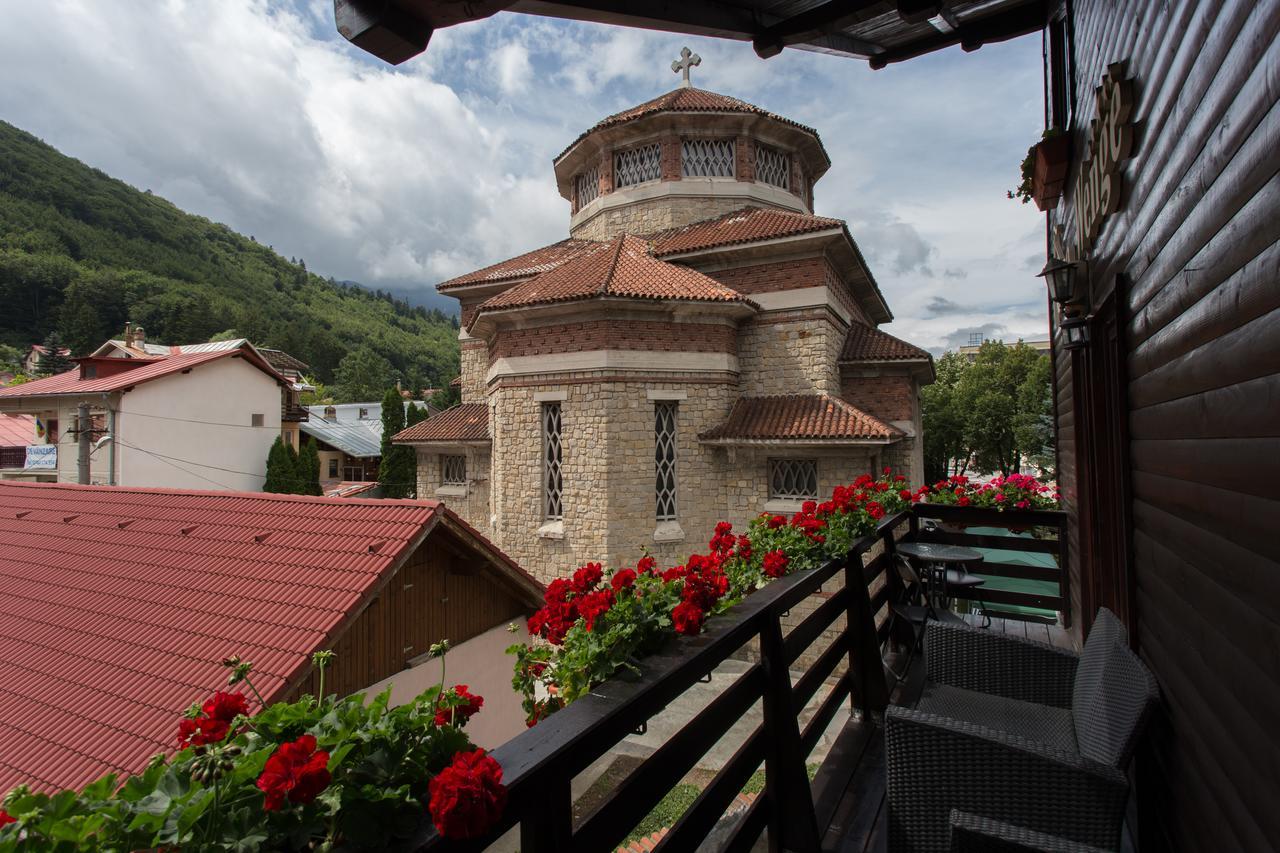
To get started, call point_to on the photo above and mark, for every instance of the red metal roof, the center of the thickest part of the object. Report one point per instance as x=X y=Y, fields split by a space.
x=863 y=343
x=686 y=99
x=746 y=225
x=799 y=417
x=120 y=603
x=463 y=422
x=530 y=263
x=621 y=267
x=17 y=430
x=71 y=383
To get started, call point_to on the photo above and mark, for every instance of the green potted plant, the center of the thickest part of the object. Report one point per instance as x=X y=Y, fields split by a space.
x=1044 y=170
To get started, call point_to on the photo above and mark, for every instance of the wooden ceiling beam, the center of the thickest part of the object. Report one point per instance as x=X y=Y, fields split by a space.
x=1027 y=18
x=825 y=21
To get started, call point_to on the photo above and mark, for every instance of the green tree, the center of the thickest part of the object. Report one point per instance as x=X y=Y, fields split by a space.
x=1001 y=394
x=10 y=359
x=398 y=470
x=53 y=360
x=447 y=397
x=321 y=396
x=309 y=468
x=943 y=421
x=282 y=473
x=414 y=414
x=361 y=376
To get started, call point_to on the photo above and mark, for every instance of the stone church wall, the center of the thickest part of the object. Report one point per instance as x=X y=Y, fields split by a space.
x=473 y=506
x=475 y=366
x=656 y=214
x=791 y=353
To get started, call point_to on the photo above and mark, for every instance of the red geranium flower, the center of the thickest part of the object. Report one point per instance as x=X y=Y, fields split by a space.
x=586 y=578
x=6 y=818
x=594 y=605
x=458 y=715
x=646 y=565
x=623 y=579
x=687 y=618
x=295 y=771
x=214 y=722
x=775 y=563
x=468 y=796
x=776 y=521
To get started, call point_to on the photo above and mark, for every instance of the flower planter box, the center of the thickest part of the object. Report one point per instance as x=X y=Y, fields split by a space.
x=1053 y=159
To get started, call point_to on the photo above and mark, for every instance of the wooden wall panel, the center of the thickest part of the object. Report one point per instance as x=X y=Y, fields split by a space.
x=441 y=592
x=1198 y=241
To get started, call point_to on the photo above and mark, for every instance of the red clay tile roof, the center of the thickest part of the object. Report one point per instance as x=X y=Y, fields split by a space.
x=621 y=267
x=17 y=430
x=685 y=100
x=522 y=266
x=746 y=225
x=463 y=422
x=71 y=383
x=799 y=417
x=119 y=604
x=863 y=343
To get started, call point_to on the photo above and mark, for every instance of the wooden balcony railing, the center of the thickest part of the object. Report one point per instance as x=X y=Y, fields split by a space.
x=1050 y=594
x=540 y=764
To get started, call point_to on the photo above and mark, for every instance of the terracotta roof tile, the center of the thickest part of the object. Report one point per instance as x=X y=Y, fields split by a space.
x=799 y=417
x=463 y=422
x=747 y=225
x=685 y=99
x=115 y=621
x=863 y=343
x=521 y=266
x=621 y=267
x=71 y=383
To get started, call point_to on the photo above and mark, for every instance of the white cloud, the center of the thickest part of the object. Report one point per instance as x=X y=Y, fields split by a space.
x=255 y=113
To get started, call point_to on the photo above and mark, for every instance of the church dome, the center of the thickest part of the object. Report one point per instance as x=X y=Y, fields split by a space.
x=683 y=157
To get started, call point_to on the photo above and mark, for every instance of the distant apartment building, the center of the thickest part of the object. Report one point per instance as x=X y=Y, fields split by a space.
x=970 y=350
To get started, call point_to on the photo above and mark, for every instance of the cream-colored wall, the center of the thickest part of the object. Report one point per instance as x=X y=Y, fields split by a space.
x=202 y=420
x=482 y=664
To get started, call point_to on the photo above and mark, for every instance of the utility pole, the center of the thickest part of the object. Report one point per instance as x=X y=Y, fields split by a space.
x=84 y=435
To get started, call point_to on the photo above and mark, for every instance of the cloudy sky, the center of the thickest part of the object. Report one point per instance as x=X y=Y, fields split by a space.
x=257 y=114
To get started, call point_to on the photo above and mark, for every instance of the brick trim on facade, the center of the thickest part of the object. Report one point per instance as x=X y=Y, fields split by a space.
x=644 y=335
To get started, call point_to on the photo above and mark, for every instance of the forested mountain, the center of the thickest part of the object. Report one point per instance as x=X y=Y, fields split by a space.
x=82 y=253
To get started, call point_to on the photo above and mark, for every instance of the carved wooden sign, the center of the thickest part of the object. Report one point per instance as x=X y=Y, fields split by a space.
x=1099 y=182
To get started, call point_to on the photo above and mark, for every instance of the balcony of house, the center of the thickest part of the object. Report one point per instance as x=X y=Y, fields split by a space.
x=768 y=730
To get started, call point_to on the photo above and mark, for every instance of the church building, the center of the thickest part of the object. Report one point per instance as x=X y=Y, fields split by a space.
x=701 y=347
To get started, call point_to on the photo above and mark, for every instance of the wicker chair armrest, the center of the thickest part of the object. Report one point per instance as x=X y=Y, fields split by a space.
x=976 y=659
x=972 y=833
x=936 y=764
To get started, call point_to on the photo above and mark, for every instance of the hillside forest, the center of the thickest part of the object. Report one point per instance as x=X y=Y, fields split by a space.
x=81 y=254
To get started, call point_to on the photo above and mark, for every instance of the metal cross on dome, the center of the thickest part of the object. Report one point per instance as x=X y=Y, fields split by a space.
x=687 y=60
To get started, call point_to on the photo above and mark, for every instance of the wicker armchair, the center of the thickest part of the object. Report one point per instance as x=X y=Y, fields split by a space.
x=1019 y=733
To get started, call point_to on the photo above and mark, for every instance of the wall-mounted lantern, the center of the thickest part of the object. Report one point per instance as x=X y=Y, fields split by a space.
x=1060 y=277
x=1075 y=330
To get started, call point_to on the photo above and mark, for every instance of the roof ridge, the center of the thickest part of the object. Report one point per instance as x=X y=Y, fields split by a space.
x=603 y=288
x=425 y=503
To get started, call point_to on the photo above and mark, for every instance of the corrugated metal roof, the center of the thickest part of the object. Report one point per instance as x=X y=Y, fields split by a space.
x=17 y=430
x=120 y=603
x=70 y=383
x=354 y=436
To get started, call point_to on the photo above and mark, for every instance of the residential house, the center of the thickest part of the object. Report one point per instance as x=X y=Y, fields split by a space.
x=31 y=364
x=104 y=652
x=349 y=439
x=24 y=454
x=203 y=417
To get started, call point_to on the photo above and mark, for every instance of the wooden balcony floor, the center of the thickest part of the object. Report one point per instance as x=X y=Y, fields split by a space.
x=858 y=823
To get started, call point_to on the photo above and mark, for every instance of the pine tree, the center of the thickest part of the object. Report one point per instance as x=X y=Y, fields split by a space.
x=53 y=360
x=297 y=482
x=414 y=414
x=309 y=467
x=280 y=469
x=398 y=469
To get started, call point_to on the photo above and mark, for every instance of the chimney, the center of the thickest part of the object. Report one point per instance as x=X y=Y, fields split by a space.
x=139 y=337
x=128 y=334
x=330 y=413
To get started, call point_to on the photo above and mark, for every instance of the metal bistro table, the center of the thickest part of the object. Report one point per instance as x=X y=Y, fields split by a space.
x=945 y=570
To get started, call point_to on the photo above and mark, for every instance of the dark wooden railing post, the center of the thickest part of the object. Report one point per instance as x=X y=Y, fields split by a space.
x=866 y=667
x=547 y=825
x=1064 y=578
x=793 y=823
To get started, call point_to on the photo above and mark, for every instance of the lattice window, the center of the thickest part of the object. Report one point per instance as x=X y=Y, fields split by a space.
x=637 y=165
x=773 y=167
x=702 y=158
x=793 y=479
x=664 y=459
x=453 y=470
x=587 y=186
x=552 y=462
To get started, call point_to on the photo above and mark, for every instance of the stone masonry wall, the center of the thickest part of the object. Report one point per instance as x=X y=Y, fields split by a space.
x=474 y=506
x=791 y=353
x=475 y=366
x=657 y=214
